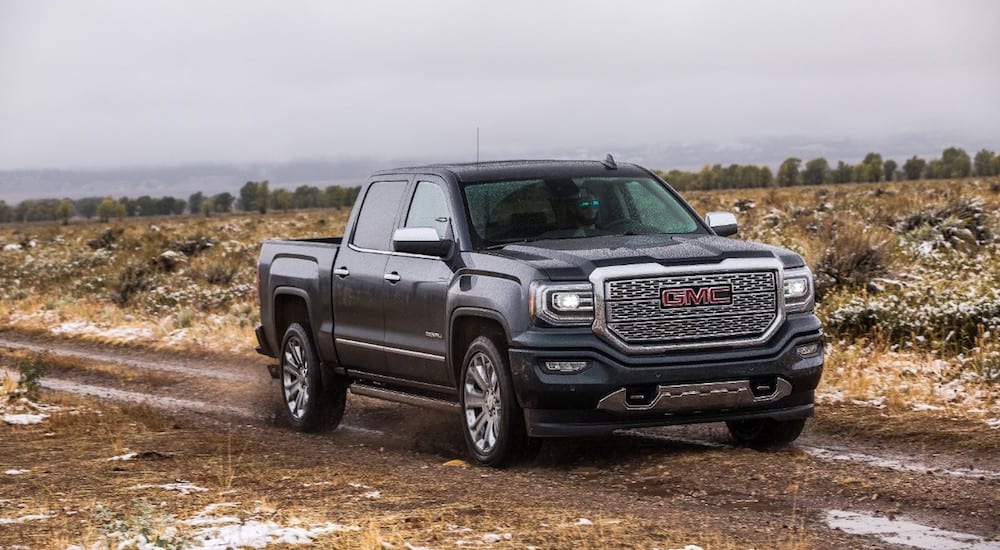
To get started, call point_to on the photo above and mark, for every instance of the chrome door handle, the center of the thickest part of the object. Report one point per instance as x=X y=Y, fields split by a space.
x=392 y=277
x=341 y=272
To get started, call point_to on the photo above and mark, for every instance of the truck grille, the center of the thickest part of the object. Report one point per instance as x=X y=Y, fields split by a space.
x=746 y=308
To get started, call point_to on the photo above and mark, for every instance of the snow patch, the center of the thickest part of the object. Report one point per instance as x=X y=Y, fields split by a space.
x=584 y=521
x=993 y=423
x=907 y=533
x=123 y=458
x=259 y=534
x=22 y=519
x=117 y=333
x=24 y=419
x=16 y=472
x=372 y=494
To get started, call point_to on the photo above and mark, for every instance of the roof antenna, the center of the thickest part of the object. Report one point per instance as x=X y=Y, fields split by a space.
x=609 y=162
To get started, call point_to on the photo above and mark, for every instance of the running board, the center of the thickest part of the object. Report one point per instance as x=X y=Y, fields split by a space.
x=405 y=398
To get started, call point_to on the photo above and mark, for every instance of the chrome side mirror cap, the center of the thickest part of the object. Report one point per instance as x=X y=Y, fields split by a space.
x=723 y=223
x=421 y=240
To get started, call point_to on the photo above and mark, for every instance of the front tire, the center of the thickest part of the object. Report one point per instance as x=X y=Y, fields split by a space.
x=308 y=406
x=765 y=433
x=493 y=423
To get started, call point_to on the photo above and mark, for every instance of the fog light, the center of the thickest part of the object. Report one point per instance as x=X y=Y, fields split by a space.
x=808 y=350
x=566 y=367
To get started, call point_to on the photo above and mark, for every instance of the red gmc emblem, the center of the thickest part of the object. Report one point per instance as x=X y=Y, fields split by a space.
x=697 y=296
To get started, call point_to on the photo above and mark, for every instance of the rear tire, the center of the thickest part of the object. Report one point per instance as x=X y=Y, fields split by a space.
x=308 y=406
x=492 y=421
x=765 y=433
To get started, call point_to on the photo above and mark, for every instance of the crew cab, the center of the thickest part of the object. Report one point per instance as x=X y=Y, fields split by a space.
x=540 y=299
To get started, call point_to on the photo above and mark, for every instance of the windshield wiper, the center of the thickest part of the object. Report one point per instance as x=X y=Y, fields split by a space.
x=508 y=243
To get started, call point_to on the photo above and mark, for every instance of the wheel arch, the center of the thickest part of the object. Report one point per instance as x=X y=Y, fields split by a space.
x=291 y=305
x=466 y=324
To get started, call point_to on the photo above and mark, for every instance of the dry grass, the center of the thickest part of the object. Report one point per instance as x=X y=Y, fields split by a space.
x=909 y=274
x=257 y=476
x=909 y=271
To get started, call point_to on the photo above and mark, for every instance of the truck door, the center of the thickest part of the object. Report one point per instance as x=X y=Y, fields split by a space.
x=358 y=279
x=416 y=322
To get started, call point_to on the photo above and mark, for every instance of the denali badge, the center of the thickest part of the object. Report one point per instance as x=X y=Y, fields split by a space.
x=697 y=296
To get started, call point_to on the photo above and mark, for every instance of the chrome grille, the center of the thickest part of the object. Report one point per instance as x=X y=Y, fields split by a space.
x=633 y=310
x=637 y=289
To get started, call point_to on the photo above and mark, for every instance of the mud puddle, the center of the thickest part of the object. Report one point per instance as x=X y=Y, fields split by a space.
x=905 y=532
x=897 y=463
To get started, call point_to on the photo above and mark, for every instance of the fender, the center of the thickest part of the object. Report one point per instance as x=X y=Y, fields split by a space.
x=326 y=348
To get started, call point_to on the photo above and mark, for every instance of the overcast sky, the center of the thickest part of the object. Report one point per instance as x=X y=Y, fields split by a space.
x=100 y=84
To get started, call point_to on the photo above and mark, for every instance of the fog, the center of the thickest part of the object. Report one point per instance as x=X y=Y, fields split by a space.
x=103 y=84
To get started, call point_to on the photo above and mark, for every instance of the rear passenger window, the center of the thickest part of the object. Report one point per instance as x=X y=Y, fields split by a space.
x=377 y=217
x=429 y=208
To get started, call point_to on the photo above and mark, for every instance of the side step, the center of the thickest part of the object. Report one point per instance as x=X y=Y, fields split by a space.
x=406 y=398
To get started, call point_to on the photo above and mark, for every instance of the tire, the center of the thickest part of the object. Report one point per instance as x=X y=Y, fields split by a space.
x=492 y=421
x=765 y=433
x=308 y=406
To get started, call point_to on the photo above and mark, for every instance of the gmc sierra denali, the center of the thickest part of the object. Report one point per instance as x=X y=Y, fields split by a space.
x=541 y=299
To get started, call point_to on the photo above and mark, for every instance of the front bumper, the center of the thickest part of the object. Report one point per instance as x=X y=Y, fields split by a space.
x=558 y=404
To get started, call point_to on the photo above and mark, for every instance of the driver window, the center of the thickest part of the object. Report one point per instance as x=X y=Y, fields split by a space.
x=429 y=208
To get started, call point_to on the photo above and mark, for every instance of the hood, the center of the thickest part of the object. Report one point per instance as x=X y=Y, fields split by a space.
x=574 y=259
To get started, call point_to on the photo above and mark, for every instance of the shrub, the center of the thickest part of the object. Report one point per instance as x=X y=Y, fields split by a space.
x=219 y=274
x=955 y=317
x=131 y=280
x=107 y=239
x=856 y=255
x=962 y=224
x=193 y=245
x=31 y=369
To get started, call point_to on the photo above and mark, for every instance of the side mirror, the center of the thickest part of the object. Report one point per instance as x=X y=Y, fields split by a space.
x=421 y=240
x=723 y=223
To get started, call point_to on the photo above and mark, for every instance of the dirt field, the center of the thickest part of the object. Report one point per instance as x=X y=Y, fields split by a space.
x=211 y=464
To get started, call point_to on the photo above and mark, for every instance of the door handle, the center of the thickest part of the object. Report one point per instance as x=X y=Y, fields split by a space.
x=341 y=272
x=392 y=277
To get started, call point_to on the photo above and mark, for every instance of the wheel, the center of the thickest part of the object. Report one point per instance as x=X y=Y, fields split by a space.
x=492 y=420
x=765 y=433
x=309 y=406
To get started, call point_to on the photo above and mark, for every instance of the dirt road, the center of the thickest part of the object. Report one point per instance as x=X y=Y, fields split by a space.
x=858 y=478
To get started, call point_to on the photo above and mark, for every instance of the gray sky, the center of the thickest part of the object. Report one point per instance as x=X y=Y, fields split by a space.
x=108 y=83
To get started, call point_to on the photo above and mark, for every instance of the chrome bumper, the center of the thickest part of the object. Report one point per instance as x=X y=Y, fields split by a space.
x=696 y=397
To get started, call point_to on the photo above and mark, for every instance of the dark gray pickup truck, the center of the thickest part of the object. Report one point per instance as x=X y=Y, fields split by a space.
x=541 y=299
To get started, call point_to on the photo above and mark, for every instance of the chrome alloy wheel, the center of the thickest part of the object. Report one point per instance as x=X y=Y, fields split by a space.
x=483 y=404
x=295 y=378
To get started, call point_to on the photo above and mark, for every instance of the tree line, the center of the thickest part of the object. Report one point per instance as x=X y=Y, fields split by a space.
x=257 y=196
x=953 y=163
x=253 y=197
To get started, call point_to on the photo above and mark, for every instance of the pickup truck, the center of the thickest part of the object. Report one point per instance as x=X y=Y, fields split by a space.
x=540 y=299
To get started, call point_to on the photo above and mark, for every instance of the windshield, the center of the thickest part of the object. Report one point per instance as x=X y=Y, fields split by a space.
x=526 y=210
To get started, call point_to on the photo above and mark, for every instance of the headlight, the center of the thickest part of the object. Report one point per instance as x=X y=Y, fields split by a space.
x=798 y=290
x=562 y=304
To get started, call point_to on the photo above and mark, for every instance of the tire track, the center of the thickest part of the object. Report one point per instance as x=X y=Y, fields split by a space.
x=244 y=374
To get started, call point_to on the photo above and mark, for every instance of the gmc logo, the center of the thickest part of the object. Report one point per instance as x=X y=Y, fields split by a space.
x=697 y=296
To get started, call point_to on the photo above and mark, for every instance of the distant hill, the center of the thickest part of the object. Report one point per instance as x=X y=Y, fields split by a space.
x=180 y=181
